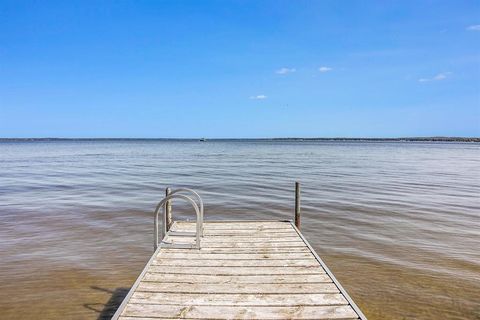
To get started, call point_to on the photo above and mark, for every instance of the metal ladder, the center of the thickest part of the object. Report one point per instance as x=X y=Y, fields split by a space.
x=178 y=194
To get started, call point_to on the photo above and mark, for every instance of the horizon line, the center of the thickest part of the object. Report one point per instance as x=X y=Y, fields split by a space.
x=407 y=138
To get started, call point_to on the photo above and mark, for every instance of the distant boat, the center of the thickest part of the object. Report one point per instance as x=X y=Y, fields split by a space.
x=203 y=140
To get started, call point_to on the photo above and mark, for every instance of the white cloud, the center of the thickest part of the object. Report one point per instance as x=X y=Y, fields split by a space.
x=259 y=97
x=475 y=27
x=324 y=69
x=438 y=77
x=285 y=70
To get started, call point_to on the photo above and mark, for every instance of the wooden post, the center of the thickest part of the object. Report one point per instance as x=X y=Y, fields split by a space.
x=297 y=205
x=168 y=208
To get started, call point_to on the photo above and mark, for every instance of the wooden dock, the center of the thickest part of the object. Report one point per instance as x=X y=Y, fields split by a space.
x=244 y=270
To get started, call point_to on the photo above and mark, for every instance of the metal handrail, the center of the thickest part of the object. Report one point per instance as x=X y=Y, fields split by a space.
x=162 y=205
x=200 y=201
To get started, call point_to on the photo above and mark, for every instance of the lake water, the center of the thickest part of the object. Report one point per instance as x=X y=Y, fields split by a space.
x=397 y=223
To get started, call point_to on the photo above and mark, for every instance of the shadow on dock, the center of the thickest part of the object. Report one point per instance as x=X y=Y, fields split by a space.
x=106 y=311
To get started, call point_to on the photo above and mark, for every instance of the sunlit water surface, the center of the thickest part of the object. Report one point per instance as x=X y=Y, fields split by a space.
x=398 y=223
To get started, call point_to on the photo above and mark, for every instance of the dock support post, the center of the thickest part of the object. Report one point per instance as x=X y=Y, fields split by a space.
x=297 y=205
x=168 y=208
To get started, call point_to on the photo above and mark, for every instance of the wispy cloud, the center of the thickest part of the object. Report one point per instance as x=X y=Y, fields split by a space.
x=285 y=70
x=324 y=69
x=259 y=97
x=438 y=77
x=475 y=27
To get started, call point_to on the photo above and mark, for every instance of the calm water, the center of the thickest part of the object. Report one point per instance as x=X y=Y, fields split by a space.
x=398 y=223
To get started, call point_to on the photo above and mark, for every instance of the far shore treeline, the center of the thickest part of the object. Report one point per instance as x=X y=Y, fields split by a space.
x=406 y=139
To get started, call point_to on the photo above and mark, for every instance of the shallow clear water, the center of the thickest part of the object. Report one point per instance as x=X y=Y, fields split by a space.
x=398 y=223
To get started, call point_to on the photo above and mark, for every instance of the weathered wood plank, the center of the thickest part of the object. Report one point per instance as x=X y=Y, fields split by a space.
x=228 y=288
x=209 y=278
x=214 y=299
x=230 y=227
x=227 y=256
x=231 y=241
x=241 y=250
x=236 y=263
x=238 y=270
x=239 y=312
x=265 y=245
x=240 y=233
x=236 y=224
x=260 y=237
x=245 y=238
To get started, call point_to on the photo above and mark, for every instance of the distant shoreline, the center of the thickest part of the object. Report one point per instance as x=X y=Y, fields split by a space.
x=337 y=139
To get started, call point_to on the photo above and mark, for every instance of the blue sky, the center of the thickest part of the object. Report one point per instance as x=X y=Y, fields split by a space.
x=239 y=68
